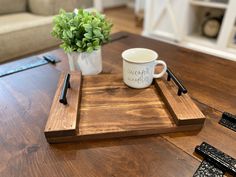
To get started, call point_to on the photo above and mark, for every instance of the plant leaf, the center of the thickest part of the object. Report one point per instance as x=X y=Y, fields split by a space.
x=85 y=31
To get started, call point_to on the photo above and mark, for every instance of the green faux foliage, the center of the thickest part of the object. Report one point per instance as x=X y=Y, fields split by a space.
x=82 y=32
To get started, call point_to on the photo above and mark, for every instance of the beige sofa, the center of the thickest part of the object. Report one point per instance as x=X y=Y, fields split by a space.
x=25 y=25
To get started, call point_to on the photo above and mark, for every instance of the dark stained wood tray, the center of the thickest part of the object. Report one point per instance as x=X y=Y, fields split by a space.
x=102 y=106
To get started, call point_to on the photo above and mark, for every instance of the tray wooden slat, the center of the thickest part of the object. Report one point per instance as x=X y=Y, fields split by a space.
x=62 y=119
x=182 y=108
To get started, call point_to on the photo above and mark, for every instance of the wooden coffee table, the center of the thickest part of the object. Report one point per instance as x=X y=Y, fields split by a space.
x=26 y=99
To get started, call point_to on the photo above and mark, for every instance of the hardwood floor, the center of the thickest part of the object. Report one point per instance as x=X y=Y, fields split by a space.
x=123 y=19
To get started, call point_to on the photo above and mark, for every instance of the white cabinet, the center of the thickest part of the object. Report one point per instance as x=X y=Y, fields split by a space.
x=180 y=22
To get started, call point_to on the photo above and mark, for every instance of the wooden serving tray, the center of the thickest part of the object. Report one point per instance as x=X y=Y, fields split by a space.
x=103 y=106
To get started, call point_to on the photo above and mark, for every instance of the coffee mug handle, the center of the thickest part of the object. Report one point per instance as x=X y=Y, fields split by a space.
x=157 y=62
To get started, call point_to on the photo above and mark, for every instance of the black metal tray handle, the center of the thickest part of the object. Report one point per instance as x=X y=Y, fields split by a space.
x=181 y=88
x=66 y=85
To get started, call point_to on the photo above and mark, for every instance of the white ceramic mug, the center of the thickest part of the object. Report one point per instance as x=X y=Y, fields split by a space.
x=139 y=67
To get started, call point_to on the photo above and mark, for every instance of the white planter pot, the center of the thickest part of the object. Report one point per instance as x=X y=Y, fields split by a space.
x=87 y=63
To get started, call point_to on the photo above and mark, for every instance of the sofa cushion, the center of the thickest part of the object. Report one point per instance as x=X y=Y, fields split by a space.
x=52 y=7
x=24 y=33
x=12 y=6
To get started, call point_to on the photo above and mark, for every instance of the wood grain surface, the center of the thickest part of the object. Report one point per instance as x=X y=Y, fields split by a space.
x=26 y=99
x=182 y=108
x=62 y=119
x=110 y=109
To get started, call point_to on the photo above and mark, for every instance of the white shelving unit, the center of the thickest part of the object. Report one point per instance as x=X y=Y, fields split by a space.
x=180 y=23
x=212 y=4
x=232 y=41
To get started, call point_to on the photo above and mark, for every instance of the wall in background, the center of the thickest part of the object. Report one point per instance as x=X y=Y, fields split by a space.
x=100 y=5
x=113 y=3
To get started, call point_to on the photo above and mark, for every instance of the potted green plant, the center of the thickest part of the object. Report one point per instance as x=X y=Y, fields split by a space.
x=82 y=33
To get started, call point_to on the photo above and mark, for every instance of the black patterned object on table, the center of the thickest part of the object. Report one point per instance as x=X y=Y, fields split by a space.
x=228 y=120
x=207 y=169
x=217 y=158
x=27 y=63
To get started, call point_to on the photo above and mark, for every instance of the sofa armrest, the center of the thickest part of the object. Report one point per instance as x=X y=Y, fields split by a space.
x=52 y=7
x=15 y=6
